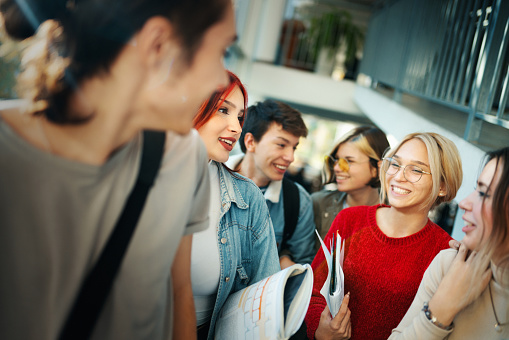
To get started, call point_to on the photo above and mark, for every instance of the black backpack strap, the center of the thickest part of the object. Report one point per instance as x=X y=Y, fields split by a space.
x=97 y=285
x=291 y=206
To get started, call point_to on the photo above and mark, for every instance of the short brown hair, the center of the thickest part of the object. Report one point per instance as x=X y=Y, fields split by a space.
x=261 y=116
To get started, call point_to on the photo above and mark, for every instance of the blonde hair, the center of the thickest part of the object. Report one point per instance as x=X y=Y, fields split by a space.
x=43 y=67
x=445 y=167
x=370 y=140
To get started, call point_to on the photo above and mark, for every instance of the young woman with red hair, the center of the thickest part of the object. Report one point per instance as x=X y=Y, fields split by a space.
x=239 y=247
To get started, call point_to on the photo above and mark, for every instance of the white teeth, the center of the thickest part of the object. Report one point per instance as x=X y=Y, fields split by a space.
x=226 y=141
x=281 y=167
x=400 y=191
x=341 y=177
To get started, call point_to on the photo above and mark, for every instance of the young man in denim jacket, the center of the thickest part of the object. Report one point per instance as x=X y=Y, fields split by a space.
x=270 y=135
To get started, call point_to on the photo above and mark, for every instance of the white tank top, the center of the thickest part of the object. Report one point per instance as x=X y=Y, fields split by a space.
x=205 y=262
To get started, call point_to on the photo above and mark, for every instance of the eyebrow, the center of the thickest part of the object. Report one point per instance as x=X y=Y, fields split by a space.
x=230 y=103
x=481 y=184
x=412 y=161
x=233 y=106
x=286 y=140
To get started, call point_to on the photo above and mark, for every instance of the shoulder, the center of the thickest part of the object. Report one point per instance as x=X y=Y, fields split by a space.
x=446 y=256
x=303 y=194
x=359 y=216
x=442 y=262
x=192 y=139
x=326 y=195
x=358 y=211
x=185 y=156
x=184 y=148
x=439 y=235
x=244 y=186
x=352 y=219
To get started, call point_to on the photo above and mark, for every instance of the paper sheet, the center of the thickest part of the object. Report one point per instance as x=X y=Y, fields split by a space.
x=334 y=295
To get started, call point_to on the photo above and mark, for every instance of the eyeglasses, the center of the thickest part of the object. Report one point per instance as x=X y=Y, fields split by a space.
x=344 y=165
x=414 y=173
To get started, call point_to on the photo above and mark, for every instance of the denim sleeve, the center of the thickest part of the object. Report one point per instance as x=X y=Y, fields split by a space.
x=264 y=244
x=301 y=244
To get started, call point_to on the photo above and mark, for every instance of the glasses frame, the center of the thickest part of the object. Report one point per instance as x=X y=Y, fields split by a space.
x=344 y=166
x=390 y=159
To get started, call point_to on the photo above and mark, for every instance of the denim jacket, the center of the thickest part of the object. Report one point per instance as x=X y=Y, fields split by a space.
x=246 y=240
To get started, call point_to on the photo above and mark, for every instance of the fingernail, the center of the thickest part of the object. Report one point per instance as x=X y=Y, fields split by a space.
x=457 y=244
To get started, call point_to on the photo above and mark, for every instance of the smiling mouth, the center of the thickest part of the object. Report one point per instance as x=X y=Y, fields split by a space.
x=468 y=227
x=400 y=191
x=341 y=177
x=281 y=167
x=227 y=141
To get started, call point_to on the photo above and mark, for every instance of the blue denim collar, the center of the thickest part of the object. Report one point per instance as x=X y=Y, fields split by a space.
x=230 y=192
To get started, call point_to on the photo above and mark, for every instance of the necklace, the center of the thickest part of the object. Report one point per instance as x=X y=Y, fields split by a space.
x=498 y=325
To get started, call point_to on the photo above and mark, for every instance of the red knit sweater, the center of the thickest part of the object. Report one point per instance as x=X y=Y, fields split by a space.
x=382 y=273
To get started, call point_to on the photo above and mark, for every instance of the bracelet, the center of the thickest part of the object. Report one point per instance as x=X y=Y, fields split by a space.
x=434 y=320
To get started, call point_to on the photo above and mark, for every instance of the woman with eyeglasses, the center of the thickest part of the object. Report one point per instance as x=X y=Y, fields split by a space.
x=388 y=247
x=353 y=166
x=464 y=293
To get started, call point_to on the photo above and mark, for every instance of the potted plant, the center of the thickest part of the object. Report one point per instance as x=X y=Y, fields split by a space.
x=335 y=38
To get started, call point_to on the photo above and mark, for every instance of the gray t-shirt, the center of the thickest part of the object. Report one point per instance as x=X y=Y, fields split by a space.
x=55 y=217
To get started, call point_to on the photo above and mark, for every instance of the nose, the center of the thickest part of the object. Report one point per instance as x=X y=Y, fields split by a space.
x=289 y=154
x=234 y=124
x=466 y=203
x=337 y=167
x=400 y=175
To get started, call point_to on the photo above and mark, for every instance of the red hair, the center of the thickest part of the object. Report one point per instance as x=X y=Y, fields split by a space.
x=211 y=105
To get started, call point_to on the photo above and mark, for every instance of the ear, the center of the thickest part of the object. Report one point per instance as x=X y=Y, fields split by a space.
x=443 y=190
x=249 y=142
x=155 y=44
x=374 y=170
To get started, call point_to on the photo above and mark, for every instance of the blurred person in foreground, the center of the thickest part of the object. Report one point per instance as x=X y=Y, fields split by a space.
x=96 y=74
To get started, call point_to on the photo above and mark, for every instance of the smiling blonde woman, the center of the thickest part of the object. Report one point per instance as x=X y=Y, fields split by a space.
x=388 y=247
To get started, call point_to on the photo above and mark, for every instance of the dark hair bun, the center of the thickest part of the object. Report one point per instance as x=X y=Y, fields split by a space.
x=21 y=23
